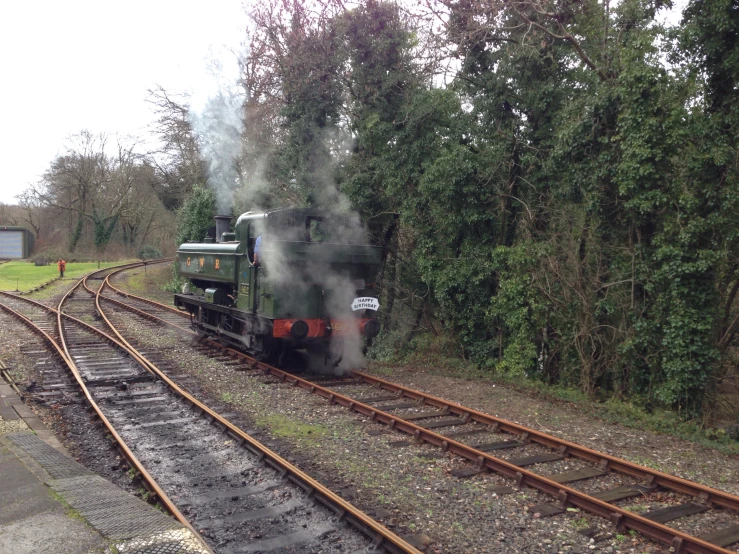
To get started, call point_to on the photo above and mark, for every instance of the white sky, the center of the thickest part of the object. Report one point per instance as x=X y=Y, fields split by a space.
x=68 y=65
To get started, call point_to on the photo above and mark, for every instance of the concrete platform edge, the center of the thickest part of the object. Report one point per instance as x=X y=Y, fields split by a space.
x=10 y=399
x=135 y=528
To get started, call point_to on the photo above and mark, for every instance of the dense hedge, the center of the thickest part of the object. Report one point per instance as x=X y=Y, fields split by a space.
x=563 y=206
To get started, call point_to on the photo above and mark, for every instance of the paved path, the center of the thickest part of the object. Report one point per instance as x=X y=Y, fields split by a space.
x=51 y=504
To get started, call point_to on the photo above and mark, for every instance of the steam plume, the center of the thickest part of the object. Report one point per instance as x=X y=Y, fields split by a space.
x=218 y=120
x=216 y=116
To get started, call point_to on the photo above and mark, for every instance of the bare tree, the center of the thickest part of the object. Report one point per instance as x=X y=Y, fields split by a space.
x=143 y=212
x=8 y=215
x=90 y=184
x=32 y=211
x=178 y=160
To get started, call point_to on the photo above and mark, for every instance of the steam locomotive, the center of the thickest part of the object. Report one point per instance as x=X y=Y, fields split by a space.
x=309 y=287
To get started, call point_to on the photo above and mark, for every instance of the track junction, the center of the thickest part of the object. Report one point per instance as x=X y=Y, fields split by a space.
x=421 y=418
x=193 y=462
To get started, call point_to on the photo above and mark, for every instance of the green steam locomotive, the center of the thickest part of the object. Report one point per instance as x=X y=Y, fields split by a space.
x=282 y=281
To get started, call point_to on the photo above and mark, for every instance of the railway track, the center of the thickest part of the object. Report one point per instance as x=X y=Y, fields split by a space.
x=208 y=473
x=525 y=455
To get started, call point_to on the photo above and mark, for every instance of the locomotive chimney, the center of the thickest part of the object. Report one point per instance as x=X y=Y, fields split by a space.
x=222 y=225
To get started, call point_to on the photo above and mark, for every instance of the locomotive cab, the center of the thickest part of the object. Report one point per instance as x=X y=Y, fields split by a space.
x=290 y=279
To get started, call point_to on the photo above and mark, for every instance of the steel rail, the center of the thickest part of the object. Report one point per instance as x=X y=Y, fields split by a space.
x=9 y=378
x=146 y=479
x=84 y=324
x=120 y=292
x=383 y=537
x=156 y=492
x=619 y=465
x=651 y=476
x=566 y=496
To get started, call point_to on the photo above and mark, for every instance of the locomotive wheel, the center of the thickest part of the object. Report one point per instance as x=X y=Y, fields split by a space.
x=293 y=360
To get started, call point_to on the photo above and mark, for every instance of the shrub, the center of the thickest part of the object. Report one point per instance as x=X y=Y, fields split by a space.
x=148 y=252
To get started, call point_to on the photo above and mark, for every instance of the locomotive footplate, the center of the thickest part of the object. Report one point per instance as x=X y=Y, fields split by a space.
x=246 y=331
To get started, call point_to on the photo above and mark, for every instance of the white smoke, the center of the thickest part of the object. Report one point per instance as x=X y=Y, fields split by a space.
x=217 y=118
x=335 y=145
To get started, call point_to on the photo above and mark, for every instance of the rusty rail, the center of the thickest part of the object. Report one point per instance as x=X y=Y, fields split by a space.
x=653 y=477
x=383 y=537
x=566 y=496
x=156 y=493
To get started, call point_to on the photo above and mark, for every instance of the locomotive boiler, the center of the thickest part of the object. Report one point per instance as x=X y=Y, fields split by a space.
x=283 y=281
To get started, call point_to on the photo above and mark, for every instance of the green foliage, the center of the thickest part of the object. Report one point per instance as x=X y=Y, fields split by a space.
x=28 y=276
x=711 y=34
x=103 y=229
x=441 y=352
x=569 y=234
x=194 y=219
x=386 y=346
x=310 y=113
x=148 y=252
x=177 y=282
x=77 y=233
x=196 y=215
x=565 y=206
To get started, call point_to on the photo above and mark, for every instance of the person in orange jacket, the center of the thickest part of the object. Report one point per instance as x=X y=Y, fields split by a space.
x=62 y=265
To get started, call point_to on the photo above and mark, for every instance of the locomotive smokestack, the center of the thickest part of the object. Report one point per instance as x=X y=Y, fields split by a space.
x=222 y=225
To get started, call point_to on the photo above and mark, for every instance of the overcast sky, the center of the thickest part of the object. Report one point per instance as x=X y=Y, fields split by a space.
x=75 y=64
x=68 y=65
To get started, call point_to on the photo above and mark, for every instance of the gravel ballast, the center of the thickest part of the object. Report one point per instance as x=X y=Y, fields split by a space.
x=419 y=493
x=409 y=488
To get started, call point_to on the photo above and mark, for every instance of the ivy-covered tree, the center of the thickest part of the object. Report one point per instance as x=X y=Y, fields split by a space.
x=563 y=207
x=377 y=47
x=196 y=215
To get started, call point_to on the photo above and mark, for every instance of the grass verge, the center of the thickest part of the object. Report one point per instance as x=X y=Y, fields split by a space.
x=24 y=276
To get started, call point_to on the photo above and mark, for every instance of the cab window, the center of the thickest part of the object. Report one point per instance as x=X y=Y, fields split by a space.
x=252 y=232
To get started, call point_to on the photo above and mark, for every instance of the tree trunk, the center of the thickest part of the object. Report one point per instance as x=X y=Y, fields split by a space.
x=391 y=273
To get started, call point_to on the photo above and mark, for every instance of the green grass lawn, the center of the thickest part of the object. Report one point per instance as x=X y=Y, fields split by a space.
x=26 y=276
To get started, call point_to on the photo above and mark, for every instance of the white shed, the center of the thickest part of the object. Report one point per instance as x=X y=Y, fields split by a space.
x=15 y=243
